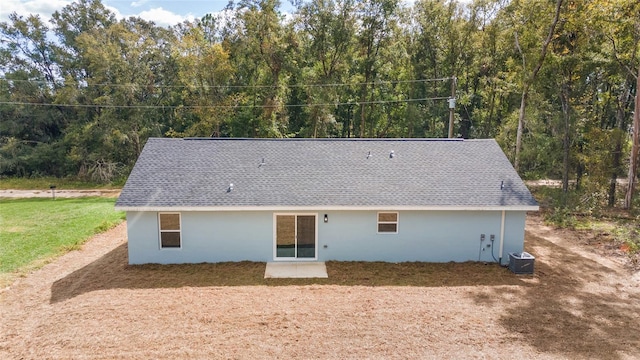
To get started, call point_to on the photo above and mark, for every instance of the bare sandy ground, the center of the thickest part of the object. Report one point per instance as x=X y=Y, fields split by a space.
x=577 y=305
x=11 y=193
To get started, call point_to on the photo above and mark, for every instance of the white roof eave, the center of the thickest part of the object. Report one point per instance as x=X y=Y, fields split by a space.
x=331 y=208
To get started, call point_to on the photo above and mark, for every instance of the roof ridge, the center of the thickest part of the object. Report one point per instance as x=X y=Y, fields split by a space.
x=329 y=139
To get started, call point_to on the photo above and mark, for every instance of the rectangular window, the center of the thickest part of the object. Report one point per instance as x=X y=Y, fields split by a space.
x=388 y=222
x=170 y=236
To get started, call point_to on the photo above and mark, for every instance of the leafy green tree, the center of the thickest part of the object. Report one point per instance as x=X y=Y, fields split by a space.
x=616 y=29
x=554 y=82
x=261 y=47
x=485 y=94
x=204 y=75
x=128 y=63
x=327 y=33
x=525 y=21
x=68 y=24
x=377 y=20
x=441 y=48
x=30 y=131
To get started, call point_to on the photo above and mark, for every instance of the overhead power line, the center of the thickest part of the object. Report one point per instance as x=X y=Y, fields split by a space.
x=391 y=82
x=108 y=106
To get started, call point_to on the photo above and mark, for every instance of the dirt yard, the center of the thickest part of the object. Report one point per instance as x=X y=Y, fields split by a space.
x=58 y=193
x=86 y=305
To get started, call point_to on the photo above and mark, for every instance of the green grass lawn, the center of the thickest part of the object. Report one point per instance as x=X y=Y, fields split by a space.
x=32 y=231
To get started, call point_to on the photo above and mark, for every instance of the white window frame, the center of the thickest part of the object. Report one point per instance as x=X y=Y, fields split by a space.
x=378 y=222
x=160 y=231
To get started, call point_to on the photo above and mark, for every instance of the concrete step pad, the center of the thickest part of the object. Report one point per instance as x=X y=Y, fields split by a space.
x=295 y=270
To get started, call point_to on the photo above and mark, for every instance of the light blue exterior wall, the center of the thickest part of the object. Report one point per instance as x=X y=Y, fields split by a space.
x=206 y=237
x=513 y=234
x=432 y=236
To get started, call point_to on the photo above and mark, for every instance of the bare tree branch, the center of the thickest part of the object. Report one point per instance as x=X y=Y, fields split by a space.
x=620 y=62
x=529 y=81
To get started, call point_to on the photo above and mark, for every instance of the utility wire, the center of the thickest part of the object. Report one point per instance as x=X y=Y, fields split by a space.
x=392 y=82
x=109 y=106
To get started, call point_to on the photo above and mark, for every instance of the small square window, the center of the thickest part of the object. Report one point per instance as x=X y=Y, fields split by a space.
x=170 y=234
x=388 y=222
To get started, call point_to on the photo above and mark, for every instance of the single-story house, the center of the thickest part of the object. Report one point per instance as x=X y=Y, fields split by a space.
x=220 y=199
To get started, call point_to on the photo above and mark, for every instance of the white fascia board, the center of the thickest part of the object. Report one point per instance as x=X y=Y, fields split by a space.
x=329 y=208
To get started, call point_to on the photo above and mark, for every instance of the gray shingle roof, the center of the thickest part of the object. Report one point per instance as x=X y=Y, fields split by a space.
x=323 y=173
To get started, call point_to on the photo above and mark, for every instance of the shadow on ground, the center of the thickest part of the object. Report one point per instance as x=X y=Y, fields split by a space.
x=575 y=309
x=112 y=272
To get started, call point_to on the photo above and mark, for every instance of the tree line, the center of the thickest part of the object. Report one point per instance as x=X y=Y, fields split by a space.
x=554 y=81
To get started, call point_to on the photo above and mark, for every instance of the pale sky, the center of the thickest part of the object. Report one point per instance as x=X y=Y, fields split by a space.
x=162 y=12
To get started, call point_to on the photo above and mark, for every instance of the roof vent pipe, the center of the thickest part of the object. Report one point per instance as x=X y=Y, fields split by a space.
x=502 y=185
x=230 y=188
x=391 y=154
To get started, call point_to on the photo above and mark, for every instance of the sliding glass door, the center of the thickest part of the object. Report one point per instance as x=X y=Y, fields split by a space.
x=295 y=236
